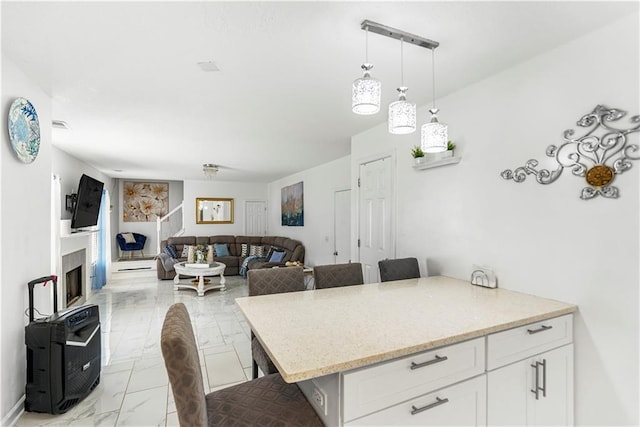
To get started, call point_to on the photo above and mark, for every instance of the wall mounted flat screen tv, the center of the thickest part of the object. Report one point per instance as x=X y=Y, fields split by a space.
x=88 y=200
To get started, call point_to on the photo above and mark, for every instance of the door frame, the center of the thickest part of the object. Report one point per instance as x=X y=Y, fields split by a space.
x=333 y=201
x=391 y=154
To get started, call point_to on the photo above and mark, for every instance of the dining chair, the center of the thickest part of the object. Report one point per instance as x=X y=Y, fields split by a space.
x=268 y=401
x=398 y=269
x=267 y=281
x=334 y=275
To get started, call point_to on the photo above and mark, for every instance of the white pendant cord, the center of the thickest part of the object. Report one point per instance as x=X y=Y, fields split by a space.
x=401 y=62
x=366 y=45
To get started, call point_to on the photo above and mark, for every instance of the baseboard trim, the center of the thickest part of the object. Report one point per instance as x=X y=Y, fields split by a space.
x=11 y=419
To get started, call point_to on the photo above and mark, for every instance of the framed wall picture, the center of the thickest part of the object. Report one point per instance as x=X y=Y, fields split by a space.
x=214 y=210
x=144 y=201
x=292 y=205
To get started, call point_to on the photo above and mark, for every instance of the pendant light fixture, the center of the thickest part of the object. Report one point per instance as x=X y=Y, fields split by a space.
x=434 y=135
x=365 y=97
x=402 y=113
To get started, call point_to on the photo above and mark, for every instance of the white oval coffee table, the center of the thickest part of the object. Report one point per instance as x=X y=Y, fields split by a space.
x=215 y=269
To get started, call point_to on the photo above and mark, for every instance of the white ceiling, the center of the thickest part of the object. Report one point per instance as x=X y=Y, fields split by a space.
x=123 y=75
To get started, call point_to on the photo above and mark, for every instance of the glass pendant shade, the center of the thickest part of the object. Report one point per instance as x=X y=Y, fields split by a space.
x=402 y=115
x=365 y=97
x=434 y=135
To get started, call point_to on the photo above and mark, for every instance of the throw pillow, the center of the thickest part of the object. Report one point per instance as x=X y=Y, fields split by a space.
x=171 y=251
x=221 y=249
x=255 y=250
x=128 y=238
x=276 y=256
x=244 y=251
x=272 y=250
x=185 y=251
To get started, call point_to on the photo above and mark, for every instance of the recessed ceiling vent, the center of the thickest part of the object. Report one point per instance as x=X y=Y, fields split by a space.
x=208 y=66
x=59 y=124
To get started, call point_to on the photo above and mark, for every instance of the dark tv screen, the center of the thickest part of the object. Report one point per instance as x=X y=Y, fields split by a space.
x=87 y=203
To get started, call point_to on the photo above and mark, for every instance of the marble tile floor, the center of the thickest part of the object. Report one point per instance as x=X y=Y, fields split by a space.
x=134 y=389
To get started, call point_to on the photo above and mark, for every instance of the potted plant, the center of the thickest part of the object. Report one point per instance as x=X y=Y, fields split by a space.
x=418 y=154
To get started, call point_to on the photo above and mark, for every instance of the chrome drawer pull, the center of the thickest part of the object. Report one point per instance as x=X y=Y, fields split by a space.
x=544 y=378
x=541 y=329
x=438 y=402
x=437 y=359
x=537 y=389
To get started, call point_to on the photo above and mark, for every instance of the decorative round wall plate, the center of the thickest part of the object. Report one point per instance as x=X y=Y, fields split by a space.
x=24 y=130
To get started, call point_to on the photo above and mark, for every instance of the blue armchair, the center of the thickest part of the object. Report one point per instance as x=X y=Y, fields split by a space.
x=138 y=245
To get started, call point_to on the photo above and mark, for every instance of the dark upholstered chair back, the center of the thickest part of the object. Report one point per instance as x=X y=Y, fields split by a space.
x=264 y=282
x=334 y=275
x=268 y=401
x=180 y=354
x=275 y=280
x=398 y=269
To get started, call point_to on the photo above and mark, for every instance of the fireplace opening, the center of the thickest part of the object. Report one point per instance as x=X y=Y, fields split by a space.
x=73 y=282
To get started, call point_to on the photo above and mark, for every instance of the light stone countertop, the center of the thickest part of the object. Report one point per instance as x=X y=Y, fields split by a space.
x=314 y=333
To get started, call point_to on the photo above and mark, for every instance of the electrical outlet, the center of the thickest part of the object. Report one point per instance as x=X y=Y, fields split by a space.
x=319 y=398
x=483 y=276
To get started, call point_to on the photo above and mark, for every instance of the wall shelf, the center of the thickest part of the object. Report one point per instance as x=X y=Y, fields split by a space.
x=437 y=163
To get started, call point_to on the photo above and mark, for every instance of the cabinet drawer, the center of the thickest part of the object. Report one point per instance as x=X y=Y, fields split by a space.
x=369 y=389
x=463 y=404
x=519 y=343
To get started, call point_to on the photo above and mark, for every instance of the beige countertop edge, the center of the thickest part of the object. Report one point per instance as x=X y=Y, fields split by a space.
x=365 y=361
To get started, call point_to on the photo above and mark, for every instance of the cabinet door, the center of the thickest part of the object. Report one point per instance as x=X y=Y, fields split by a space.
x=507 y=395
x=554 y=403
x=511 y=391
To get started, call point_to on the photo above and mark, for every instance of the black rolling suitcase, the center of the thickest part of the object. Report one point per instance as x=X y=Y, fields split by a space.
x=63 y=355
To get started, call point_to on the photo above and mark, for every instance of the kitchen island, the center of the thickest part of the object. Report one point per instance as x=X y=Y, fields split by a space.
x=342 y=345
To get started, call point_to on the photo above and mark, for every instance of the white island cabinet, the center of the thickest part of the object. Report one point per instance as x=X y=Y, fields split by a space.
x=432 y=351
x=537 y=389
x=528 y=381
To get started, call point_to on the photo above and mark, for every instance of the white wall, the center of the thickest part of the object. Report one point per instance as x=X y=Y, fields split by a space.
x=542 y=240
x=25 y=230
x=149 y=229
x=319 y=185
x=238 y=191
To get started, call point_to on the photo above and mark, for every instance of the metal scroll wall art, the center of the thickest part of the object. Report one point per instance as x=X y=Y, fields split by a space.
x=597 y=158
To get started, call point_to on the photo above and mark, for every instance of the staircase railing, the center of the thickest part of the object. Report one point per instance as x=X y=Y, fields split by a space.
x=172 y=224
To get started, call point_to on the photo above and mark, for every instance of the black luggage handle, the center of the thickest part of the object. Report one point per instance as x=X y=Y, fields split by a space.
x=45 y=279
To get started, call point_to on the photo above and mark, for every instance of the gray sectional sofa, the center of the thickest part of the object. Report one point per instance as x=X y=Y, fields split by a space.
x=294 y=251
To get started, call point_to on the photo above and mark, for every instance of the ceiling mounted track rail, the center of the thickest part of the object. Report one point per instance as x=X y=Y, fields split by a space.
x=394 y=33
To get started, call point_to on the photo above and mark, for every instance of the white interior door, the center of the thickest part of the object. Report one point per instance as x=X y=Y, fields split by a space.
x=255 y=218
x=341 y=226
x=374 y=224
